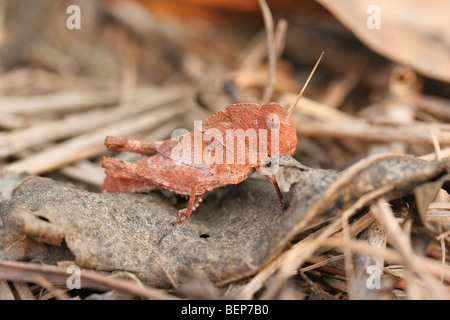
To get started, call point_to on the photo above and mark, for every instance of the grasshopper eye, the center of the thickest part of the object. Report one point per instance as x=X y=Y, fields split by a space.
x=273 y=122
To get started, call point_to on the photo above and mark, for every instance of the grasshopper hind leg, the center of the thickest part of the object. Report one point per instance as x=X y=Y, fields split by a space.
x=146 y=148
x=131 y=177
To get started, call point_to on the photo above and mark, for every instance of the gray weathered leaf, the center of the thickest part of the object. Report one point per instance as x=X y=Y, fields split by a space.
x=235 y=231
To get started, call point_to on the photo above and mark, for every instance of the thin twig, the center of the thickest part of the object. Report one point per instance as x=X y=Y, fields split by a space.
x=443 y=235
x=432 y=155
x=375 y=236
x=320 y=264
x=25 y=271
x=15 y=141
x=280 y=38
x=60 y=101
x=362 y=130
x=271 y=50
x=437 y=150
x=57 y=293
x=90 y=144
x=391 y=255
x=348 y=261
x=312 y=108
x=400 y=240
x=22 y=290
x=292 y=259
x=436 y=145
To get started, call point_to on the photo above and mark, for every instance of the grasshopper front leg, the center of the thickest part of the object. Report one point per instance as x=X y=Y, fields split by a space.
x=263 y=171
x=277 y=189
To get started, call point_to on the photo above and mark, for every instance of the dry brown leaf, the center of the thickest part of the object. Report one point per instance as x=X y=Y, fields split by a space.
x=425 y=195
x=412 y=32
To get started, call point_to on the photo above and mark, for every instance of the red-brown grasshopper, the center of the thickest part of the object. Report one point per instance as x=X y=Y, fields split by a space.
x=203 y=159
x=169 y=166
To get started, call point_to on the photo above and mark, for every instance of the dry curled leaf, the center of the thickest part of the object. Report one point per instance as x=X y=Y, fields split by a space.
x=231 y=236
x=134 y=232
x=316 y=195
x=414 y=33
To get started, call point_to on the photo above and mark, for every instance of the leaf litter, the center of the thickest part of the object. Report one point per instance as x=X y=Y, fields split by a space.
x=350 y=207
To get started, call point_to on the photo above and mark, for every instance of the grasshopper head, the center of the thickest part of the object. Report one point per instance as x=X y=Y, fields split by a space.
x=276 y=120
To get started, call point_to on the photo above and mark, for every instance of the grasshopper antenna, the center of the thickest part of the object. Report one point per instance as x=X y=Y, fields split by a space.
x=305 y=85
